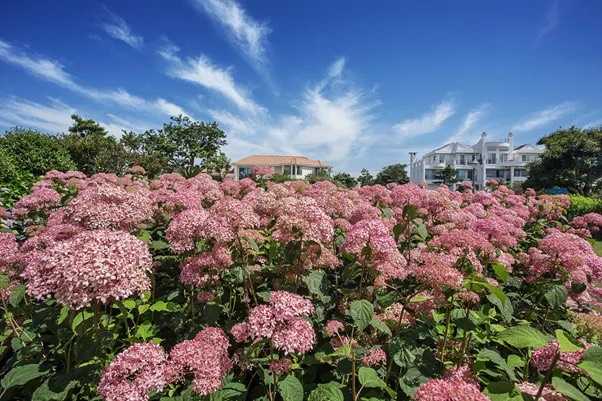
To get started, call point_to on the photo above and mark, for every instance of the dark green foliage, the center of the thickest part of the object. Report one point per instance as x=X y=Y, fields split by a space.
x=365 y=178
x=182 y=145
x=93 y=149
x=344 y=180
x=448 y=175
x=394 y=173
x=36 y=152
x=14 y=182
x=572 y=159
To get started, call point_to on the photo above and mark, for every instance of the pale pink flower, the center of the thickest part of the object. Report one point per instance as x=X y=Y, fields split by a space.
x=375 y=357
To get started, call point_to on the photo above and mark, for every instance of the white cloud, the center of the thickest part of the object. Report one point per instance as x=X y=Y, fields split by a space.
x=544 y=117
x=53 y=117
x=232 y=123
x=54 y=72
x=49 y=70
x=426 y=123
x=117 y=28
x=465 y=132
x=336 y=68
x=249 y=35
x=203 y=72
x=329 y=124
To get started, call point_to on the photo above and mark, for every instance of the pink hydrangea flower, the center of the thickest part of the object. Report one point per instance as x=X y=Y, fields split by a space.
x=135 y=373
x=333 y=327
x=457 y=385
x=205 y=357
x=93 y=266
x=375 y=357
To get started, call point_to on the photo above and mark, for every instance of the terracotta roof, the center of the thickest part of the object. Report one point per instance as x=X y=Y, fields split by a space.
x=278 y=160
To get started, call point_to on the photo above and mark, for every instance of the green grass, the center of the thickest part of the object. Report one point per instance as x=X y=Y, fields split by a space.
x=597 y=245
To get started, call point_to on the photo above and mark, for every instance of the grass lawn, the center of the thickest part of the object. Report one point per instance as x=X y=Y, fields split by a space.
x=597 y=245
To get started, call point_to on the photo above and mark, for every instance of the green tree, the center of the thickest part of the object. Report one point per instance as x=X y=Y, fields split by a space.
x=92 y=148
x=365 y=178
x=182 y=145
x=448 y=175
x=344 y=179
x=14 y=182
x=394 y=173
x=36 y=152
x=572 y=159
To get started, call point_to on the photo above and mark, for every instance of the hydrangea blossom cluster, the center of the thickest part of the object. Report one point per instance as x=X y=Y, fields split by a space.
x=8 y=259
x=109 y=206
x=205 y=357
x=564 y=255
x=135 y=373
x=92 y=266
x=371 y=242
x=591 y=222
x=375 y=357
x=42 y=199
x=283 y=321
x=543 y=358
x=456 y=385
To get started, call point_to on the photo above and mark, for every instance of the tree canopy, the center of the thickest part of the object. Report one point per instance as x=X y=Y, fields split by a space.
x=448 y=175
x=572 y=159
x=394 y=173
x=365 y=178
x=344 y=179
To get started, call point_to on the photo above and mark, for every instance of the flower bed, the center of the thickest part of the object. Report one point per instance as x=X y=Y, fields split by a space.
x=181 y=289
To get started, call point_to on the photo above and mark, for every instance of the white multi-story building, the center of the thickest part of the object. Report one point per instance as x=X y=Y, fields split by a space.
x=295 y=167
x=485 y=160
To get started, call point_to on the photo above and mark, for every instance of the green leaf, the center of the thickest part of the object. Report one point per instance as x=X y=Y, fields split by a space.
x=566 y=343
x=159 y=306
x=420 y=298
x=145 y=330
x=230 y=391
x=314 y=281
x=80 y=318
x=361 y=312
x=568 y=389
x=17 y=295
x=501 y=391
x=523 y=337
x=4 y=281
x=159 y=245
x=62 y=315
x=327 y=392
x=291 y=389
x=22 y=375
x=52 y=390
x=500 y=271
x=591 y=363
x=381 y=326
x=129 y=303
x=369 y=378
x=556 y=296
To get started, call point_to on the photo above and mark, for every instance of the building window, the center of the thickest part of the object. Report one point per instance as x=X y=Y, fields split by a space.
x=430 y=174
x=462 y=159
x=520 y=172
x=441 y=158
x=491 y=158
x=503 y=157
x=287 y=170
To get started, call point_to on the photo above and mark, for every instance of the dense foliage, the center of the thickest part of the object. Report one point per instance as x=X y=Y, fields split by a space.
x=572 y=159
x=124 y=288
x=581 y=205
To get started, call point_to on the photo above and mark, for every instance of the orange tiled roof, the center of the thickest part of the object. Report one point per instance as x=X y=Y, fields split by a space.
x=277 y=160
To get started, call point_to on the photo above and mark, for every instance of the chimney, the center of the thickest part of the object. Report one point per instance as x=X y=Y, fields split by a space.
x=412 y=157
x=510 y=147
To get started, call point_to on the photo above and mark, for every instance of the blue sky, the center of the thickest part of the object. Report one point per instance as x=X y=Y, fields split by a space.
x=357 y=83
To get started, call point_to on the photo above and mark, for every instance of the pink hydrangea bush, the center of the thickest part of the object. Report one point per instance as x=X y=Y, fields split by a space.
x=172 y=286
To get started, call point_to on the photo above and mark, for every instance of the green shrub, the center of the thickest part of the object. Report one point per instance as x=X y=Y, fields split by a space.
x=14 y=183
x=581 y=205
x=35 y=152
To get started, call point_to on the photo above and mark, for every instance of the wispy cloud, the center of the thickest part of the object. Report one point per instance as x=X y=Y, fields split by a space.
x=203 y=72
x=544 y=117
x=53 y=117
x=330 y=122
x=426 y=123
x=465 y=132
x=551 y=20
x=54 y=72
x=117 y=28
x=249 y=35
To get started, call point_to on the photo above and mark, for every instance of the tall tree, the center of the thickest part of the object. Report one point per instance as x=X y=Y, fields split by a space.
x=182 y=145
x=92 y=148
x=572 y=159
x=448 y=175
x=394 y=173
x=365 y=178
x=344 y=179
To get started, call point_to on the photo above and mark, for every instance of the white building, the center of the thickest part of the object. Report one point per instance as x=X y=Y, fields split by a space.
x=478 y=163
x=296 y=167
